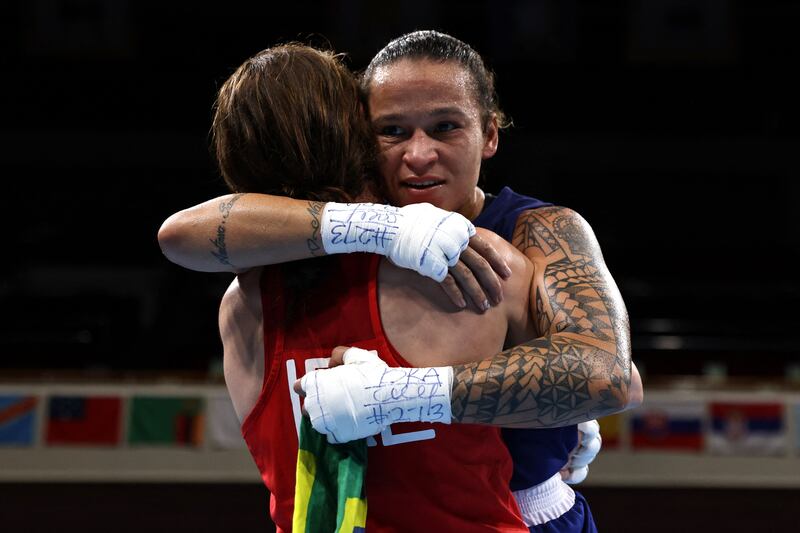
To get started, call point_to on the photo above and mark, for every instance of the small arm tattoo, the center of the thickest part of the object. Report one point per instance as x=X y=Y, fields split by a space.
x=221 y=252
x=314 y=243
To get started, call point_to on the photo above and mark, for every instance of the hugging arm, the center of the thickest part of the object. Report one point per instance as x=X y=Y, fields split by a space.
x=578 y=369
x=236 y=232
x=580 y=366
x=241 y=231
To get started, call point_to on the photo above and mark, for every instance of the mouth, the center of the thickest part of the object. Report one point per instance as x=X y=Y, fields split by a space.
x=421 y=184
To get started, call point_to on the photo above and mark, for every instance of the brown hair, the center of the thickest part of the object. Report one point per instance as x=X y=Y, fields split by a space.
x=437 y=46
x=291 y=121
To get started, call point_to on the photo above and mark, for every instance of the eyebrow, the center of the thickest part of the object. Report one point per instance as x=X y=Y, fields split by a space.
x=439 y=111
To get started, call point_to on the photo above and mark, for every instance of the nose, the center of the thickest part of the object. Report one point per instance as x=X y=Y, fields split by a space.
x=420 y=151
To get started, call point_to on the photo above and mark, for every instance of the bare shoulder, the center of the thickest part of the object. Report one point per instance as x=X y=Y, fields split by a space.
x=519 y=264
x=547 y=230
x=517 y=288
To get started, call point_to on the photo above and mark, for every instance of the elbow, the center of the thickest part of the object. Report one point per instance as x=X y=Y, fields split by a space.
x=172 y=238
x=635 y=389
x=635 y=397
x=623 y=384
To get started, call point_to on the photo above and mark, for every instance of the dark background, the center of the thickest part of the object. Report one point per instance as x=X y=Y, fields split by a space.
x=672 y=126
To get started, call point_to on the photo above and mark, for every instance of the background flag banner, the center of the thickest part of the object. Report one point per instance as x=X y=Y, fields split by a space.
x=166 y=420
x=330 y=490
x=85 y=420
x=747 y=429
x=675 y=426
x=796 y=411
x=610 y=431
x=17 y=420
x=224 y=430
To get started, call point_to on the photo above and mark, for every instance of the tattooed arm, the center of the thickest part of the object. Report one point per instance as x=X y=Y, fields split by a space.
x=239 y=231
x=236 y=232
x=577 y=369
x=580 y=367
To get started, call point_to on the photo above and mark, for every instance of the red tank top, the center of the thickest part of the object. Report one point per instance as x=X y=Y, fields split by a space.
x=420 y=477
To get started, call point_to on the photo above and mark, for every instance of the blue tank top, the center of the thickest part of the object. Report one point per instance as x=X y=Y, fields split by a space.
x=537 y=453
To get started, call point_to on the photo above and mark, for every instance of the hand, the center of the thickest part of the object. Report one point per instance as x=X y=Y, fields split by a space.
x=476 y=274
x=589 y=444
x=364 y=396
x=420 y=237
x=337 y=356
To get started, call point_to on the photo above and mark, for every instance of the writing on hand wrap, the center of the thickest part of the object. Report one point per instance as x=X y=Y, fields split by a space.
x=369 y=228
x=406 y=395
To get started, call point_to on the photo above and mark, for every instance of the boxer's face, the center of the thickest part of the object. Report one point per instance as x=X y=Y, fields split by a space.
x=430 y=134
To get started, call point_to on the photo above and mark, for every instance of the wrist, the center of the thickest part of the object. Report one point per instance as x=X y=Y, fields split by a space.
x=412 y=395
x=365 y=396
x=361 y=227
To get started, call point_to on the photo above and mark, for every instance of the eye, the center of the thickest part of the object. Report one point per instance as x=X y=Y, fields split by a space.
x=391 y=131
x=444 y=127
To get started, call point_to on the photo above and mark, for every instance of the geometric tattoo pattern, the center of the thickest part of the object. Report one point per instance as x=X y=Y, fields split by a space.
x=579 y=366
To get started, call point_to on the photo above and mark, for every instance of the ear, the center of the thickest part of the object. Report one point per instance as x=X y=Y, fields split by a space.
x=491 y=136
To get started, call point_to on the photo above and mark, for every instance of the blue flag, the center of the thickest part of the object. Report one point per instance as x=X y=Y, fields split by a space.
x=17 y=420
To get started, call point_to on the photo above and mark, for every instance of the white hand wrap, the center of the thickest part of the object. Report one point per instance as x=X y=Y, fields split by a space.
x=587 y=449
x=420 y=237
x=364 y=396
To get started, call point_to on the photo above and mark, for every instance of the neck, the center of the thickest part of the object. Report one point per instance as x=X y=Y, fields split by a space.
x=474 y=207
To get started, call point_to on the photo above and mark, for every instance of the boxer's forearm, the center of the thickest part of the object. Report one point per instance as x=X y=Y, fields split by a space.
x=241 y=231
x=234 y=233
x=580 y=367
x=553 y=381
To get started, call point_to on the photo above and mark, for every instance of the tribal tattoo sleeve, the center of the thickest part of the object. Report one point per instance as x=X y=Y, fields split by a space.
x=579 y=368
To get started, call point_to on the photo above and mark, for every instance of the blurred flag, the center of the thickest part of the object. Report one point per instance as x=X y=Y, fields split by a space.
x=17 y=420
x=166 y=420
x=668 y=426
x=224 y=430
x=83 y=420
x=747 y=429
x=610 y=431
x=797 y=427
x=330 y=489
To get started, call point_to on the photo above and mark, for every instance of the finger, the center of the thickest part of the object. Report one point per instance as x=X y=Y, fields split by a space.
x=589 y=429
x=451 y=289
x=337 y=356
x=577 y=475
x=438 y=267
x=450 y=249
x=482 y=271
x=470 y=286
x=592 y=449
x=486 y=250
x=471 y=229
x=454 y=240
x=353 y=356
x=585 y=453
